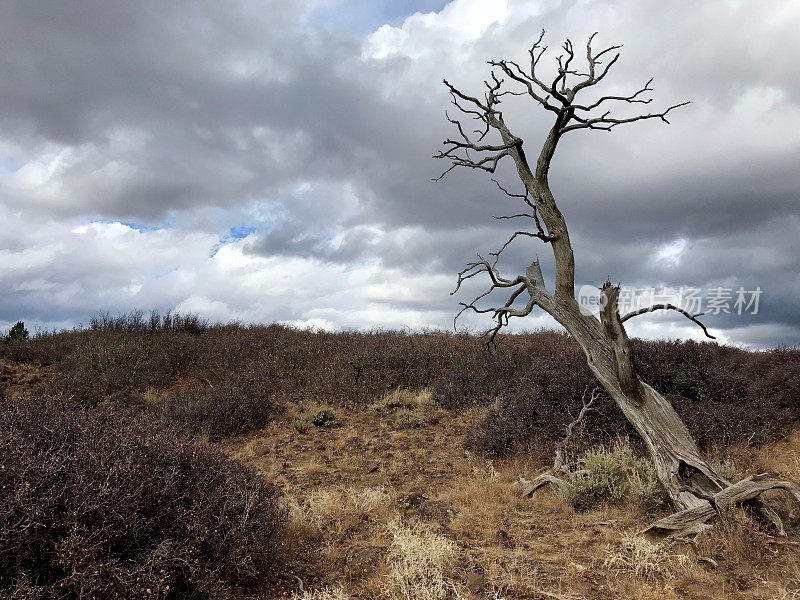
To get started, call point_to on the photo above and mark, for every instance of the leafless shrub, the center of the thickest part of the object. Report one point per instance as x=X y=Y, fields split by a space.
x=94 y=503
x=235 y=405
x=715 y=389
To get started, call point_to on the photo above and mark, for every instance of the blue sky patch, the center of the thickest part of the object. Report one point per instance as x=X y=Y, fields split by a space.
x=237 y=232
x=363 y=16
x=10 y=164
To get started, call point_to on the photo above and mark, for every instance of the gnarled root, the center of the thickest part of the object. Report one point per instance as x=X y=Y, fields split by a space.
x=530 y=487
x=688 y=523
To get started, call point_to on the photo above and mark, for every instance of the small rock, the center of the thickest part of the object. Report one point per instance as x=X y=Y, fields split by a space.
x=476 y=583
x=369 y=466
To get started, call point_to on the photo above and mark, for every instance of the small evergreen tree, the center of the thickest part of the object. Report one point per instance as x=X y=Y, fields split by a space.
x=17 y=332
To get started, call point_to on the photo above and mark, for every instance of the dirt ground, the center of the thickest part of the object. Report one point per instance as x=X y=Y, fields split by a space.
x=507 y=546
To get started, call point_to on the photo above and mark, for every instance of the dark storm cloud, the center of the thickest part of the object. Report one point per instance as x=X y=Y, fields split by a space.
x=201 y=116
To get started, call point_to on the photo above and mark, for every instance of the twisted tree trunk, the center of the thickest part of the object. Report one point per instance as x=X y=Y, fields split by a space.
x=694 y=488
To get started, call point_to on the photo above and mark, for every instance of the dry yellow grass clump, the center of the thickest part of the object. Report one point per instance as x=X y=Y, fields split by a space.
x=403 y=398
x=416 y=562
x=419 y=564
x=325 y=594
x=340 y=508
x=637 y=555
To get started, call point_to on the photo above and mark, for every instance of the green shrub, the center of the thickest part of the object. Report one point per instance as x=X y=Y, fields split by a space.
x=611 y=475
x=408 y=419
x=302 y=425
x=727 y=470
x=318 y=416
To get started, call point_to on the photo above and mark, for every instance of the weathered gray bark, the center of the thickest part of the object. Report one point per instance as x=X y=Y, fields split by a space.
x=689 y=481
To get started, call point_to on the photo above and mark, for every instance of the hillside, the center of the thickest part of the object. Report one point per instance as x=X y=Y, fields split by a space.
x=414 y=493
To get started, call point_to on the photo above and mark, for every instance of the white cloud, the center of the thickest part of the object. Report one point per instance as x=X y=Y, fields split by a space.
x=671 y=253
x=459 y=22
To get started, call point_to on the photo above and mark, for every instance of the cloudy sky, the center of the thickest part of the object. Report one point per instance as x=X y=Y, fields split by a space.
x=265 y=160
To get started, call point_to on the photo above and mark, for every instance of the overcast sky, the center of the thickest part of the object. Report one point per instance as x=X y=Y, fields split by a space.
x=271 y=160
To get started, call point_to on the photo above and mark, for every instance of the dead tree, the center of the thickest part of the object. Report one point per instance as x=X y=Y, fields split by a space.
x=695 y=489
x=560 y=460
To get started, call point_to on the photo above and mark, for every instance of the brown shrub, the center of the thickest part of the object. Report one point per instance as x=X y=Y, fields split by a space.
x=237 y=404
x=723 y=394
x=94 y=503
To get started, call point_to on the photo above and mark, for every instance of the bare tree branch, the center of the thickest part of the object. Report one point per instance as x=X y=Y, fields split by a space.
x=667 y=306
x=605 y=122
x=561 y=449
x=549 y=476
x=632 y=99
x=534 y=213
x=542 y=236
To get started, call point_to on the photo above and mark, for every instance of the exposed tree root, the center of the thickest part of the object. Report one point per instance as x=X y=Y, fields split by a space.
x=529 y=487
x=694 y=521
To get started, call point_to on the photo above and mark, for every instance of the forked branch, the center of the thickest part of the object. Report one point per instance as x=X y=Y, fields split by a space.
x=545 y=237
x=532 y=282
x=587 y=405
x=471 y=149
x=606 y=122
x=486 y=113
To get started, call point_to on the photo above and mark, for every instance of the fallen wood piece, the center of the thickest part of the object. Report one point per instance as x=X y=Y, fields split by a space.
x=530 y=487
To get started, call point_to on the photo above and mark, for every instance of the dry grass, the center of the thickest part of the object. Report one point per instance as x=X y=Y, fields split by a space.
x=735 y=537
x=420 y=564
x=782 y=457
x=527 y=548
x=643 y=558
x=404 y=398
x=786 y=591
x=339 y=509
x=482 y=496
x=324 y=594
